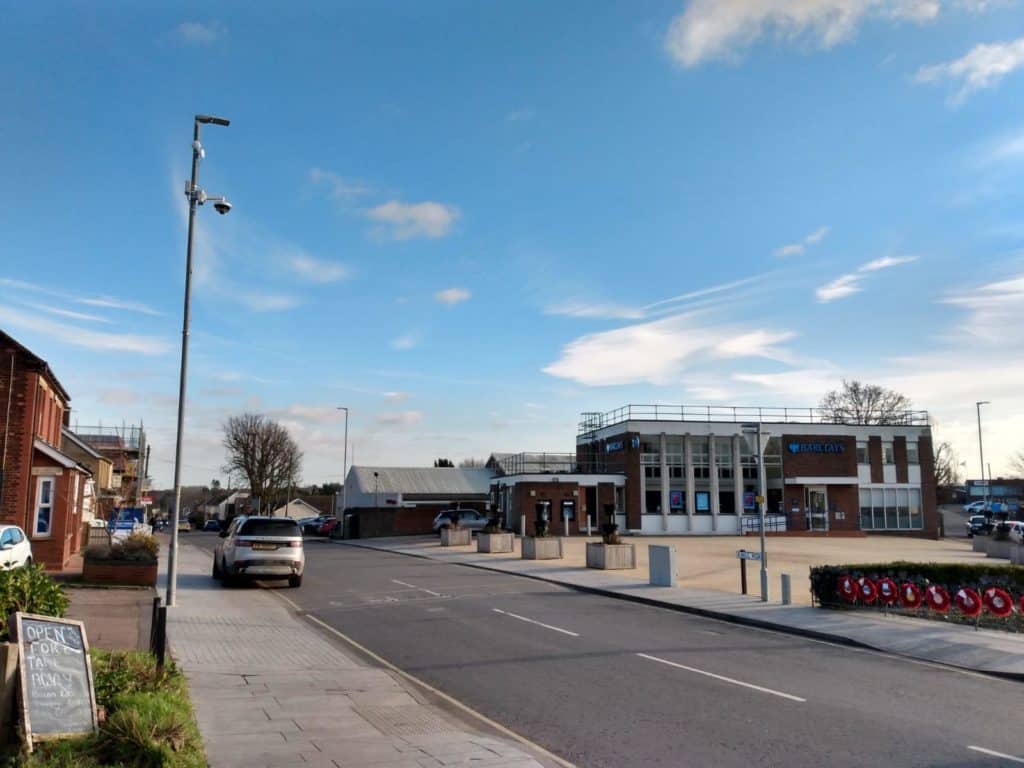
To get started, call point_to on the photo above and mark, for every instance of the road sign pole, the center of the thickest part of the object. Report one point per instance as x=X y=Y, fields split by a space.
x=743 y=575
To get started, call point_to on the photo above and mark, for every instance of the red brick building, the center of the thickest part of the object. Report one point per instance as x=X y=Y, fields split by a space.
x=41 y=488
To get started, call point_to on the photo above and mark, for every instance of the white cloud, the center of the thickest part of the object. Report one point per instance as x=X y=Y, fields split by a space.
x=400 y=418
x=713 y=29
x=993 y=311
x=519 y=116
x=795 y=249
x=850 y=283
x=316 y=414
x=404 y=221
x=81 y=337
x=316 y=270
x=982 y=67
x=452 y=296
x=582 y=309
x=199 y=33
x=406 y=341
x=395 y=397
x=67 y=313
x=658 y=352
x=259 y=301
x=110 y=302
x=340 y=188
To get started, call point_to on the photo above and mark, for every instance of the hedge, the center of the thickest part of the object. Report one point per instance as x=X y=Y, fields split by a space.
x=952 y=576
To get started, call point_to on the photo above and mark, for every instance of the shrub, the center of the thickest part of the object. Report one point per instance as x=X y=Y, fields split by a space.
x=29 y=590
x=136 y=547
x=129 y=672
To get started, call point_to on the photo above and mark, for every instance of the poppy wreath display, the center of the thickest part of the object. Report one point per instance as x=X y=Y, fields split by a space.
x=867 y=590
x=1021 y=606
x=937 y=598
x=997 y=601
x=888 y=592
x=910 y=595
x=848 y=588
x=968 y=601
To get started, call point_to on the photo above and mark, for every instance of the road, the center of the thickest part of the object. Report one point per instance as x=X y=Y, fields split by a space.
x=603 y=682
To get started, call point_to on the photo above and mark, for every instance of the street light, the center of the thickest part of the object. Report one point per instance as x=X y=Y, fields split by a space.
x=344 y=467
x=196 y=196
x=981 y=449
x=762 y=483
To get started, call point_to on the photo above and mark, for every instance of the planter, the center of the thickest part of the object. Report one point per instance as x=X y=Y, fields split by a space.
x=494 y=542
x=127 y=572
x=979 y=543
x=547 y=548
x=1017 y=554
x=999 y=549
x=611 y=557
x=456 y=537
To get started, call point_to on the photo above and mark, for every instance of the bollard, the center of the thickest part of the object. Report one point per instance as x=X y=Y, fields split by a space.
x=522 y=525
x=161 y=637
x=764 y=586
x=743 y=576
x=661 y=565
x=565 y=524
x=588 y=524
x=153 y=624
x=787 y=597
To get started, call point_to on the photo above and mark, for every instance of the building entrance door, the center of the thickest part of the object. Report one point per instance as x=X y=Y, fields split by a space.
x=816 y=504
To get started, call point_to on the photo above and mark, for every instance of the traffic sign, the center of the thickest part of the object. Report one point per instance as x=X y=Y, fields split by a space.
x=743 y=554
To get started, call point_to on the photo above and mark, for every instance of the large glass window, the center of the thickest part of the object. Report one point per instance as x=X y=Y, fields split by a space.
x=862 y=453
x=652 y=500
x=727 y=502
x=43 y=523
x=916 y=518
x=889 y=509
x=888 y=457
x=865 y=509
x=902 y=508
x=877 y=508
x=912 y=455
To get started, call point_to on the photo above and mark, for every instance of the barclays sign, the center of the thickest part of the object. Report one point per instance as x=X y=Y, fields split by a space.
x=830 y=447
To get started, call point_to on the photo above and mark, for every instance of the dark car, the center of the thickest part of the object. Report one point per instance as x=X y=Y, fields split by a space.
x=211 y=525
x=311 y=525
x=328 y=525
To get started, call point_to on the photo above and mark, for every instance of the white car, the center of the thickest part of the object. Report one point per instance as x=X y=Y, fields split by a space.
x=15 y=550
x=1016 y=531
x=974 y=507
x=260 y=548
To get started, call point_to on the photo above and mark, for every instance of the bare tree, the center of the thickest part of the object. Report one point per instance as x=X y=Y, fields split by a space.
x=262 y=451
x=947 y=465
x=858 y=403
x=472 y=463
x=1017 y=463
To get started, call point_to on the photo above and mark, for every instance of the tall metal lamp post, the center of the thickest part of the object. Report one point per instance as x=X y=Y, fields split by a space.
x=762 y=492
x=981 y=450
x=196 y=196
x=344 y=467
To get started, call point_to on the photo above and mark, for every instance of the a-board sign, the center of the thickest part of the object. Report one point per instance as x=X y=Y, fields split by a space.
x=57 y=695
x=743 y=554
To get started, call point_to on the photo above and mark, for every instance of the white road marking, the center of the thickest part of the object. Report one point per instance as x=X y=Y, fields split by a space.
x=421 y=589
x=993 y=753
x=533 y=621
x=723 y=678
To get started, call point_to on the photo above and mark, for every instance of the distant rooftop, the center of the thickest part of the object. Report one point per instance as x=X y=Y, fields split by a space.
x=533 y=463
x=591 y=421
x=111 y=438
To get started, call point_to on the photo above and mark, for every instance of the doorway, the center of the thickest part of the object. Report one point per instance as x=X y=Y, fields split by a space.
x=816 y=505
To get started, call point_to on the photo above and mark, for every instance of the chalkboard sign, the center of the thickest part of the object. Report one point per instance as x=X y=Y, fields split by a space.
x=57 y=696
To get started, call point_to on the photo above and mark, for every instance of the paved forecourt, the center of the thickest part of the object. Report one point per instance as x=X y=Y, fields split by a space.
x=270 y=689
x=605 y=682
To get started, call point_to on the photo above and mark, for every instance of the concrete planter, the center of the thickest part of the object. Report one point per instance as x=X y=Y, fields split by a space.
x=456 y=537
x=1000 y=549
x=126 y=572
x=494 y=542
x=611 y=557
x=1017 y=554
x=547 y=548
x=979 y=543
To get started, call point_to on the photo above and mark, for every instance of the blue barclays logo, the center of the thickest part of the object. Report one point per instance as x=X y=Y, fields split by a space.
x=825 y=447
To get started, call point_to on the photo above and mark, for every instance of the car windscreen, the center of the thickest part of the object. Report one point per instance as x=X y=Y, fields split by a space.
x=269 y=527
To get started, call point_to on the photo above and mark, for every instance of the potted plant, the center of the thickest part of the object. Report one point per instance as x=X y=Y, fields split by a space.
x=131 y=560
x=610 y=553
x=493 y=539
x=453 y=534
x=541 y=546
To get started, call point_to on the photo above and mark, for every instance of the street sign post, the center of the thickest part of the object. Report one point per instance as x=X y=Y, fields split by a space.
x=743 y=556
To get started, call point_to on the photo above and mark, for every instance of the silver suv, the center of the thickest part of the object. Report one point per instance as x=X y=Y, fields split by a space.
x=260 y=548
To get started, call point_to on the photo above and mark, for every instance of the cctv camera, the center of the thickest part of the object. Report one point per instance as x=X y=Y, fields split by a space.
x=222 y=207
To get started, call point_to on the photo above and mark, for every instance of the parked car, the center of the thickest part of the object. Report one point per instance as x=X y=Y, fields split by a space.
x=468 y=518
x=260 y=548
x=327 y=526
x=15 y=550
x=977 y=524
x=311 y=525
x=975 y=507
x=1016 y=531
x=184 y=526
x=212 y=525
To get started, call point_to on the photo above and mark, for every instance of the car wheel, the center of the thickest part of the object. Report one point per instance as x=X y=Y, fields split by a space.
x=216 y=569
x=295 y=581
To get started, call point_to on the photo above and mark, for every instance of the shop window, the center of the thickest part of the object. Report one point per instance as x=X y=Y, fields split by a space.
x=676 y=473
x=727 y=502
x=866 y=523
x=702 y=473
x=653 y=502
x=888 y=509
x=725 y=473
x=916 y=518
x=862 y=453
x=902 y=508
x=702 y=502
x=42 y=525
x=723 y=453
x=912 y=455
x=888 y=457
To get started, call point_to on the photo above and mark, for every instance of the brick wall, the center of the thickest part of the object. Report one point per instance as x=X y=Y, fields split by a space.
x=526 y=504
x=17 y=460
x=812 y=464
x=843 y=499
x=928 y=490
x=875 y=457
x=899 y=454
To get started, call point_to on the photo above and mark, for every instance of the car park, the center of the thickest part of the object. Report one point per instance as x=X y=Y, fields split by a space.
x=975 y=507
x=15 y=549
x=468 y=518
x=1016 y=531
x=260 y=548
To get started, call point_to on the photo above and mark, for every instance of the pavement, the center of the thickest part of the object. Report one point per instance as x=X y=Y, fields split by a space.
x=271 y=689
x=982 y=650
x=116 y=618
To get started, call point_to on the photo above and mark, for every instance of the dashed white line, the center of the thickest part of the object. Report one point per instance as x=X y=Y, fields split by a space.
x=724 y=679
x=534 y=621
x=993 y=753
x=421 y=589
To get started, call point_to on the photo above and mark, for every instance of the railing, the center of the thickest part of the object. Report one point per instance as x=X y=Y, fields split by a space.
x=752 y=523
x=128 y=438
x=591 y=421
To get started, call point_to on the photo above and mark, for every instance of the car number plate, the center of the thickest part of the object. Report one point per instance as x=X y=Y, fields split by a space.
x=264 y=546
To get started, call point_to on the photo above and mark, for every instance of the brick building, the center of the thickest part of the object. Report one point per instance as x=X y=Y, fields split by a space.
x=41 y=487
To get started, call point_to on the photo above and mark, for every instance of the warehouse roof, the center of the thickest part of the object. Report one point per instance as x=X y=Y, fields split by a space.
x=420 y=481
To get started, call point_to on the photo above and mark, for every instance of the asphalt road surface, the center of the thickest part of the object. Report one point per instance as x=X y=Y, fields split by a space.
x=602 y=682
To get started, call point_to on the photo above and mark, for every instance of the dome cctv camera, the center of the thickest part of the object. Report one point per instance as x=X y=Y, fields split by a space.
x=222 y=207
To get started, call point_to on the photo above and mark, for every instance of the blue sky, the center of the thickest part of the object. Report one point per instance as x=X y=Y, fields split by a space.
x=469 y=221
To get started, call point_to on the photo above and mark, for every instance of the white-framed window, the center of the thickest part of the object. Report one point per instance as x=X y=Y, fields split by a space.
x=888 y=455
x=889 y=509
x=862 y=453
x=912 y=455
x=42 y=522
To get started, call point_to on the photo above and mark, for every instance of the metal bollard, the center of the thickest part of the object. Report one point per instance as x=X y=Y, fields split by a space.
x=565 y=524
x=522 y=525
x=787 y=595
x=153 y=624
x=588 y=524
x=161 y=638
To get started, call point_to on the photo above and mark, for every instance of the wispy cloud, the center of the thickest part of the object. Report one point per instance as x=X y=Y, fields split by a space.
x=317 y=270
x=406 y=341
x=108 y=302
x=395 y=397
x=984 y=66
x=851 y=283
x=797 y=248
x=405 y=221
x=519 y=116
x=117 y=396
x=199 y=33
x=67 y=313
x=258 y=301
x=82 y=337
x=712 y=29
x=400 y=418
x=340 y=188
x=452 y=296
